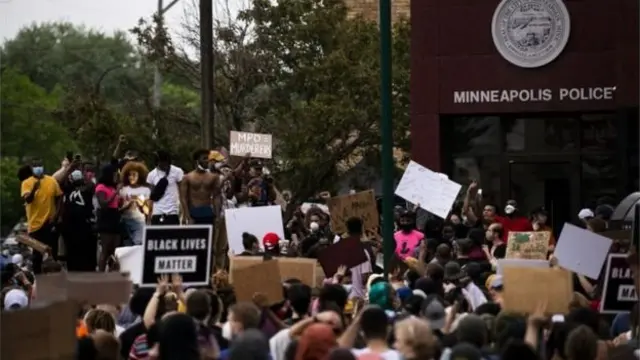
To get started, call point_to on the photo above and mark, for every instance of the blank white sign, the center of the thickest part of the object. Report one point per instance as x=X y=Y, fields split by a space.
x=258 y=221
x=582 y=251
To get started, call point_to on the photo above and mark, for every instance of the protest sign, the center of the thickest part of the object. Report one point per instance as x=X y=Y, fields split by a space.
x=526 y=287
x=33 y=243
x=258 y=221
x=531 y=245
x=263 y=277
x=618 y=292
x=81 y=287
x=130 y=260
x=433 y=191
x=42 y=331
x=361 y=205
x=290 y=268
x=349 y=252
x=243 y=143
x=184 y=250
x=582 y=251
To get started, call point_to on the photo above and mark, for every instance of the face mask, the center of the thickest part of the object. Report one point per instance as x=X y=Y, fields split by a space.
x=202 y=168
x=347 y=287
x=226 y=331
x=38 y=171
x=509 y=209
x=406 y=227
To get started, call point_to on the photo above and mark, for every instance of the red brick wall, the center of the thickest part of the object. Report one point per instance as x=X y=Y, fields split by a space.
x=452 y=49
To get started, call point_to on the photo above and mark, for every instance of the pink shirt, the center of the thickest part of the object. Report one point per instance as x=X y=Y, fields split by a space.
x=407 y=243
x=108 y=191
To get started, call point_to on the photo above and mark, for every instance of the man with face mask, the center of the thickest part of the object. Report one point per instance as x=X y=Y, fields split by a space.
x=77 y=212
x=407 y=237
x=513 y=220
x=42 y=195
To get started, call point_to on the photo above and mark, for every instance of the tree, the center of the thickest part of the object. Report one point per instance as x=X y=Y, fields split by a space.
x=12 y=209
x=302 y=71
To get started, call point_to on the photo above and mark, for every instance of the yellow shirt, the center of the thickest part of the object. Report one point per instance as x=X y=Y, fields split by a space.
x=43 y=206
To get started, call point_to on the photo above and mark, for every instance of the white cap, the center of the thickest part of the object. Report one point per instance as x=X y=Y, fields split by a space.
x=17 y=259
x=585 y=213
x=16 y=297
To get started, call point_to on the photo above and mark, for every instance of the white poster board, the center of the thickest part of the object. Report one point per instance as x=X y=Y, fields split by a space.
x=502 y=263
x=582 y=251
x=258 y=221
x=130 y=259
x=243 y=143
x=434 y=192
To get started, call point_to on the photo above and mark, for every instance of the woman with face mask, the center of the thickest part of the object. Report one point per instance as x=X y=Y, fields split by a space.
x=407 y=237
x=77 y=213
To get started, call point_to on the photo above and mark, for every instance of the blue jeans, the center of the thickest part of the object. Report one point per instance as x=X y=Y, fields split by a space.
x=135 y=229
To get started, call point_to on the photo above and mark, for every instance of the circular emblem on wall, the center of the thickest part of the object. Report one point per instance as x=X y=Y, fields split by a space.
x=530 y=33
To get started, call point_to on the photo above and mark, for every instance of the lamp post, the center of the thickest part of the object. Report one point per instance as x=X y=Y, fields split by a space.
x=386 y=130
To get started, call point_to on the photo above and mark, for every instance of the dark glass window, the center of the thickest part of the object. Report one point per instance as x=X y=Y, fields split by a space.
x=477 y=135
x=544 y=134
x=598 y=132
x=599 y=177
x=633 y=149
x=485 y=170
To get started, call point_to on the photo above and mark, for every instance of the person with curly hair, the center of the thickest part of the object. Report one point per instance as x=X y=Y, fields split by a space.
x=136 y=192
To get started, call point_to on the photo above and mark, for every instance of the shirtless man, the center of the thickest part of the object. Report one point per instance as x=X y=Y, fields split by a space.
x=200 y=192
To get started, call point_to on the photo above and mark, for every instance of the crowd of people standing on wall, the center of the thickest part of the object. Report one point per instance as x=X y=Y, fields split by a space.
x=441 y=300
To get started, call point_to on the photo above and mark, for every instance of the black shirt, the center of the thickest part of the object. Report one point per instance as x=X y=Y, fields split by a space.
x=77 y=205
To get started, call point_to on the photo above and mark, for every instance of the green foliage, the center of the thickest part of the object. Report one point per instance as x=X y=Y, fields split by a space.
x=11 y=210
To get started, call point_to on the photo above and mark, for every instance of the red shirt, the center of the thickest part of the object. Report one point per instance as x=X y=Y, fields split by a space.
x=516 y=224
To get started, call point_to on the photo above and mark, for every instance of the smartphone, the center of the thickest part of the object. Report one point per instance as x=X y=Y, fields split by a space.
x=69 y=155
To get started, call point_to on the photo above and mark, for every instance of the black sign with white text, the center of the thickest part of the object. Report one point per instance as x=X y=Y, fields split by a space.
x=184 y=250
x=618 y=292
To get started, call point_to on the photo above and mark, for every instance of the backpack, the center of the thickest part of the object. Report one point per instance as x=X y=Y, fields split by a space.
x=160 y=188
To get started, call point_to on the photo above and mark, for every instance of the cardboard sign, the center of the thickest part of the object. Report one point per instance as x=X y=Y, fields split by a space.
x=258 y=145
x=262 y=278
x=582 y=251
x=130 y=260
x=348 y=252
x=258 y=221
x=361 y=205
x=89 y=287
x=33 y=243
x=433 y=191
x=525 y=287
x=45 y=331
x=184 y=250
x=531 y=245
x=618 y=292
x=290 y=268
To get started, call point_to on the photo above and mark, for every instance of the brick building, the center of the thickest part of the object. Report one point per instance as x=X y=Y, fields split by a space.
x=369 y=8
x=537 y=99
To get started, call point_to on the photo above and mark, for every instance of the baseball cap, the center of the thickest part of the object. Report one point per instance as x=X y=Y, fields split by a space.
x=16 y=299
x=585 y=214
x=435 y=313
x=270 y=241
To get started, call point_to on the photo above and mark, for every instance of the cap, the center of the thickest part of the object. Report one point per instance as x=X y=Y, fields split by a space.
x=270 y=241
x=585 y=214
x=16 y=299
x=17 y=259
x=496 y=282
x=435 y=313
x=215 y=156
x=452 y=271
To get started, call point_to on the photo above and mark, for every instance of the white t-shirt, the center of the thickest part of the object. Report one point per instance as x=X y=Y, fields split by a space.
x=169 y=204
x=387 y=355
x=135 y=192
x=278 y=344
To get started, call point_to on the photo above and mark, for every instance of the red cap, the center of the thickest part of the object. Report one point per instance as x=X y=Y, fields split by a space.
x=270 y=240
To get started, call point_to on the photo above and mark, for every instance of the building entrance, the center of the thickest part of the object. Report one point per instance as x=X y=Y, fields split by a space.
x=543 y=181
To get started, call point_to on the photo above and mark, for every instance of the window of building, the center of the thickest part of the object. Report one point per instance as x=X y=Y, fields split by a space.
x=484 y=169
x=477 y=134
x=540 y=135
x=599 y=177
x=598 y=132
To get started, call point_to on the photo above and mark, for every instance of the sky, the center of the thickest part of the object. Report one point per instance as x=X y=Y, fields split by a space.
x=107 y=16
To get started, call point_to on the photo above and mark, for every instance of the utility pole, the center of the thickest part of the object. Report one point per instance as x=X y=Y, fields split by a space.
x=386 y=113
x=157 y=75
x=206 y=73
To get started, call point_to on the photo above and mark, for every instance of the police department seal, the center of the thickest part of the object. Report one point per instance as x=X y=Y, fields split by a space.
x=530 y=33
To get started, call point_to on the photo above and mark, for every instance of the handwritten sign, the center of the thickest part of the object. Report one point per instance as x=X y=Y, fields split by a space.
x=258 y=145
x=433 y=191
x=361 y=205
x=531 y=245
